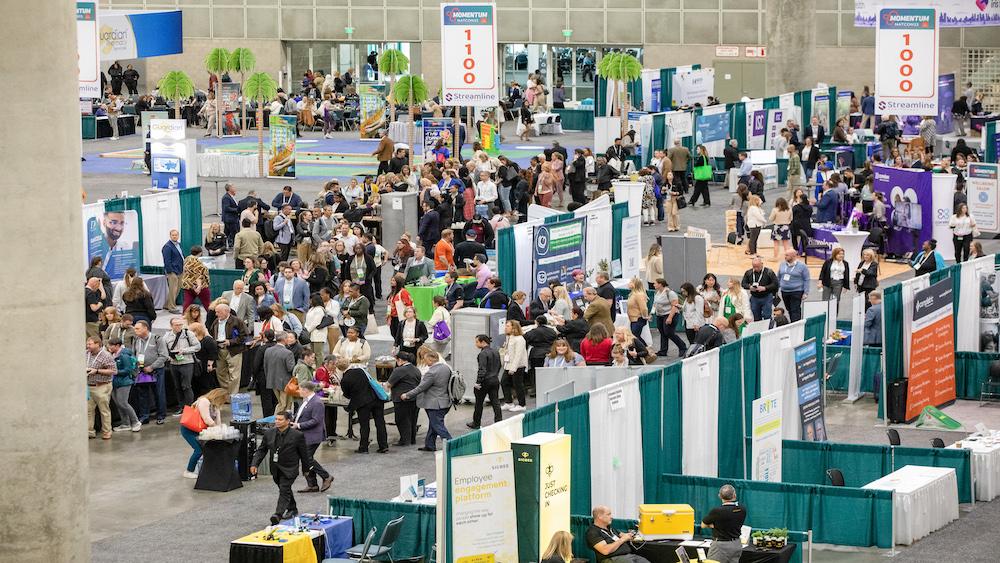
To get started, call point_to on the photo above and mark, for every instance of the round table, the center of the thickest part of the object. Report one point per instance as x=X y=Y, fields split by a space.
x=852 y=243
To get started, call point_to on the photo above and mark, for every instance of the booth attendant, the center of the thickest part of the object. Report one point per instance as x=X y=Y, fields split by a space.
x=608 y=543
x=726 y=520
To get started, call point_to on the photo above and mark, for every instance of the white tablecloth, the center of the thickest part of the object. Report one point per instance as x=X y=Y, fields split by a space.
x=925 y=499
x=541 y=126
x=227 y=165
x=399 y=132
x=985 y=466
x=769 y=171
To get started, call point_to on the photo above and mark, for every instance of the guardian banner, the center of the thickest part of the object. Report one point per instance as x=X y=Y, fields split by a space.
x=137 y=35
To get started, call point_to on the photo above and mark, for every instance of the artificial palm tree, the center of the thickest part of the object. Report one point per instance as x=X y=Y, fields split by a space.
x=393 y=62
x=242 y=60
x=619 y=67
x=217 y=62
x=260 y=88
x=415 y=90
x=176 y=86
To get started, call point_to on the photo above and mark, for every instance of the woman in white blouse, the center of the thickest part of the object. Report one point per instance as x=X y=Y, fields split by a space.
x=834 y=277
x=735 y=300
x=354 y=348
x=440 y=314
x=563 y=305
x=962 y=225
x=693 y=309
x=515 y=365
x=314 y=316
x=755 y=222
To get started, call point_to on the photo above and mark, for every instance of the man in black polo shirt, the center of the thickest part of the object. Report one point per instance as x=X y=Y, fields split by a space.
x=609 y=544
x=725 y=521
x=607 y=291
x=467 y=250
x=455 y=294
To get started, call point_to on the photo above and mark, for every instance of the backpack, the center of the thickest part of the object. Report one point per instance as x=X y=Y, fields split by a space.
x=270 y=233
x=456 y=387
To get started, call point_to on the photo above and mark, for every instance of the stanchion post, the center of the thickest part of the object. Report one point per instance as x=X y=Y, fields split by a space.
x=892 y=522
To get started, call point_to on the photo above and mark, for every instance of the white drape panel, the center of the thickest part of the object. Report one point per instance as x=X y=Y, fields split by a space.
x=616 y=448
x=777 y=372
x=540 y=212
x=910 y=287
x=630 y=192
x=498 y=436
x=524 y=243
x=226 y=165
x=700 y=400
x=161 y=213
x=967 y=336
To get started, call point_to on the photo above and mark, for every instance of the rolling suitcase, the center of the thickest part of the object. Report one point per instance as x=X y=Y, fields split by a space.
x=896 y=401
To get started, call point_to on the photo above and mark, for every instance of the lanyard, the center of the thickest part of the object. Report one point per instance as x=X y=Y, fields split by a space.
x=145 y=345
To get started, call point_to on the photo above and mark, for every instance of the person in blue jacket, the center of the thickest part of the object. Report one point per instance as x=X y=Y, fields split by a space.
x=292 y=292
x=826 y=207
x=173 y=267
x=928 y=260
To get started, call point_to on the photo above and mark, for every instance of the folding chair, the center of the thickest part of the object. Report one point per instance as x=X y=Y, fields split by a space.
x=389 y=536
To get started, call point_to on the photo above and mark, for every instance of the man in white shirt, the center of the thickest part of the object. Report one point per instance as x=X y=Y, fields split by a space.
x=241 y=304
x=348 y=237
x=353 y=193
x=486 y=191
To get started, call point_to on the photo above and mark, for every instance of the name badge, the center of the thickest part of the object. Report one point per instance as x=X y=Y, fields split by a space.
x=614 y=537
x=274 y=457
x=786 y=277
x=141 y=358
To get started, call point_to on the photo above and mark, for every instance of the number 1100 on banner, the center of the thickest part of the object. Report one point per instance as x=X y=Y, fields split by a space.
x=469 y=49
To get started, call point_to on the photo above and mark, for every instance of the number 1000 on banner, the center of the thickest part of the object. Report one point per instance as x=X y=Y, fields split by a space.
x=906 y=62
x=469 y=54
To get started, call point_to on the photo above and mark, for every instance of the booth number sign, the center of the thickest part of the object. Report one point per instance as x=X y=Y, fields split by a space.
x=906 y=62
x=469 y=54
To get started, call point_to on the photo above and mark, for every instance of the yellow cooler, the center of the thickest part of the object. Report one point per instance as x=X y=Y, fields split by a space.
x=666 y=521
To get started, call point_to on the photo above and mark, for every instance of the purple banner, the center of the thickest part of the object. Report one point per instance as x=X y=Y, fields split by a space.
x=759 y=122
x=946 y=98
x=901 y=186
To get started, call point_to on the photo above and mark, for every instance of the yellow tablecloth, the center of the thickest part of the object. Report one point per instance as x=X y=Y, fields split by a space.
x=297 y=549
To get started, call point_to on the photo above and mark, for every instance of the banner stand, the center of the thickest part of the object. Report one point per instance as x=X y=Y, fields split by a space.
x=854 y=393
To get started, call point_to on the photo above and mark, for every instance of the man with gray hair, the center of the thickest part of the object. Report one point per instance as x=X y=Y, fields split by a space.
x=726 y=521
x=231 y=334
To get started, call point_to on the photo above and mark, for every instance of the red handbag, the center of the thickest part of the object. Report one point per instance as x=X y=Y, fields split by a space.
x=192 y=420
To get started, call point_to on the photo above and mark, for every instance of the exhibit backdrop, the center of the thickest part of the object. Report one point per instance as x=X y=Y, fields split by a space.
x=558 y=250
x=932 y=349
x=282 y=161
x=810 y=398
x=984 y=204
x=693 y=87
x=901 y=186
x=113 y=236
x=946 y=98
x=228 y=107
x=757 y=129
x=989 y=289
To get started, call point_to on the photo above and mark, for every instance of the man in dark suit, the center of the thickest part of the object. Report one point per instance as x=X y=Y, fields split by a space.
x=311 y=420
x=541 y=304
x=173 y=267
x=231 y=333
x=365 y=403
x=230 y=214
x=405 y=378
x=816 y=131
x=287 y=449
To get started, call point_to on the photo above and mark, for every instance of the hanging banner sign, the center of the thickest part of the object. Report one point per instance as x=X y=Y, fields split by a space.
x=435 y=129
x=171 y=155
x=810 y=395
x=483 y=512
x=843 y=107
x=228 y=106
x=140 y=34
x=821 y=107
x=87 y=50
x=946 y=98
x=775 y=123
x=469 y=66
x=712 y=128
x=693 y=87
x=559 y=249
x=112 y=236
x=679 y=124
x=932 y=349
x=765 y=444
x=954 y=13
x=984 y=204
x=906 y=61
x=282 y=161
x=902 y=188
x=989 y=303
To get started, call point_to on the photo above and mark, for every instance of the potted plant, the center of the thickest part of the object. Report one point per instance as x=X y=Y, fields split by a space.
x=757 y=538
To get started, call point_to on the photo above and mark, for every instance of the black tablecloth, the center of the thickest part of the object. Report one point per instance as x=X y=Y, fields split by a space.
x=665 y=551
x=249 y=553
x=218 y=466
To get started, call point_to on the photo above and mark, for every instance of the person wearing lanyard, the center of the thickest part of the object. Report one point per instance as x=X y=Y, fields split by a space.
x=793 y=280
x=293 y=292
x=608 y=543
x=288 y=450
x=355 y=309
x=762 y=285
x=726 y=521
x=311 y=420
x=101 y=368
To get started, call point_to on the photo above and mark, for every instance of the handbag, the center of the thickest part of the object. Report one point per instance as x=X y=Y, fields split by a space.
x=292 y=387
x=376 y=387
x=976 y=233
x=681 y=204
x=650 y=355
x=327 y=321
x=192 y=420
x=441 y=331
x=706 y=310
x=571 y=168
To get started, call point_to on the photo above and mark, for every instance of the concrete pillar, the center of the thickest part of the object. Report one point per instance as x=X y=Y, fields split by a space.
x=791 y=46
x=43 y=407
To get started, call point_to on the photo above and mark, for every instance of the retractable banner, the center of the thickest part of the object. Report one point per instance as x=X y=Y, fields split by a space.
x=810 y=396
x=483 y=509
x=282 y=162
x=765 y=449
x=932 y=349
x=229 y=108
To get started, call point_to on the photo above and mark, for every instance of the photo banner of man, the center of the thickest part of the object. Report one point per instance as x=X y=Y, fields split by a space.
x=932 y=349
x=282 y=161
x=229 y=108
x=559 y=249
x=901 y=186
x=989 y=318
x=112 y=236
x=810 y=396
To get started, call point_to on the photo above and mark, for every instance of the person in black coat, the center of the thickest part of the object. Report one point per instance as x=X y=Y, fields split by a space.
x=801 y=220
x=419 y=332
x=349 y=268
x=515 y=309
x=258 y=380
x=403 y=379
x=365 y=403
x=286 y=448
x=575 y=330
x=540 y=340
x=207 y=356
x=578 y=178
x=487 y=381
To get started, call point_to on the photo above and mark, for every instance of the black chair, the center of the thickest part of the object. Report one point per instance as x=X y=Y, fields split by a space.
x=893 y=436
x=805 y=246
x=836 y=477
x=876 y=240
x=390 y=533
x=937 y=443
x=991 y=387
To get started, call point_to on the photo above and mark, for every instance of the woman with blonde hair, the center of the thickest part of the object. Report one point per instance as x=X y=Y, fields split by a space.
x=193 y=315
x=735 y=300
x=755 y=221
x=638 y=306
x=109 y=316
x=563 y=305
x=545 y=185
x=781 y=233
x=654 y=264
x=215 y=240
x=439 y=315
x=209 y=406
x=560 y=548
x=634 y=346
x=557 y=172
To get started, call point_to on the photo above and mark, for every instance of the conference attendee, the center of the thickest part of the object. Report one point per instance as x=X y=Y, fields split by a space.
x=354 y=308
x=405 y=377
x=411 y=332
x=122 y=329
x=282 y=224
x=353 y=347
x=962 y=227
x=580 y=280
x=444 y=251
x=242 y=304
x=419 y=268
x=539 y=341
x=101 y=369
x=195 y=280
x=929 y=259
x=303 y=235
x=598 y=310
x=889 y=134
x=827 y=205
x=634 y=346
x=454 y=292
x=286 y=447
x=867 y=110
x=711 y=335
x=746 y=167
x=292 y=293
x=960 y=115
x=357 y=388
x=815 y=131
x=596 y=346
x=173 y=268
x=928 y=132
x=834 y=276
x=247 y=243
x=735 y=300
x=781 y=217
x=138 y=302
x=668 y=314
x=607 y=291
x=181 y=347
x=131 y=79
x=151 y=356
x=679 y=157
x=429 y=230
x=432 y=396
x=560 y=548
x=230 y=333
x=361 y=270
x=384 y=152
x=205 y=360
x=487 y=381
x=654 y=265
x=311 y=420
x=873 y=320
x=562 y=355
x=693 y=307
x=866 y=274
x=277 y=363
x=610 y=545
x=287 y=197
x=574 y=329
x=732 y=332
x=793 y=281
x=802 y=220
x=230 y=213
x=840 y=133
x=215 y=241
x=209 y=408
x=603 y=176
x=726 y=522
x=515 y=367
x=755 y=221
x=731 y=156
x=540 y=305
x=763 y=285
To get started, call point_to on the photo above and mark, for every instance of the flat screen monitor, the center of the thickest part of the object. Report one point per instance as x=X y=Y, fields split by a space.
x=907 y=215
x=758 y=158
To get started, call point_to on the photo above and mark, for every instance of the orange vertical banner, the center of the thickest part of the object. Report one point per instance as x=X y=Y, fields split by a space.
x=932 y=349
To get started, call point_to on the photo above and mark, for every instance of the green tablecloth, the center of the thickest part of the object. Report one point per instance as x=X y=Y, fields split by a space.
x=423 y=298
x=576 y=119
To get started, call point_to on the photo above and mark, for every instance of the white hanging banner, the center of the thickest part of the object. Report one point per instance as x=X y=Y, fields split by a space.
x=631 y=253
x=765 y=444
x=693 y=87
x=700 y=394
x=469 y=67
x=679 y=124
x=616 y=465
x=906 y=61
x=86 y=50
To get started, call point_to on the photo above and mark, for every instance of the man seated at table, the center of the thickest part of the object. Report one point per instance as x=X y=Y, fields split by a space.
x=482 y=273
x=419 y=266
x=726 y=521
x=287 y=197
x=609 y=544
